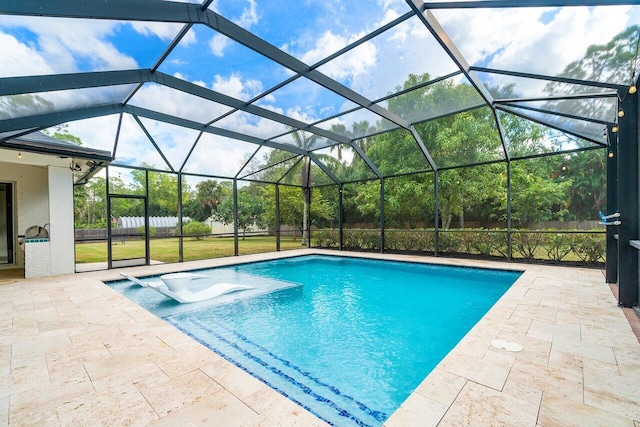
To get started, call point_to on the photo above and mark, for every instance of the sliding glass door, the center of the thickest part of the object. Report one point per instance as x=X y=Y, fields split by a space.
x=6 y=223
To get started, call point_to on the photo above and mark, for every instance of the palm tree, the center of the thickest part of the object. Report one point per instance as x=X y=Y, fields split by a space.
x=360 y=129
x=340 y=129
x=305 y=141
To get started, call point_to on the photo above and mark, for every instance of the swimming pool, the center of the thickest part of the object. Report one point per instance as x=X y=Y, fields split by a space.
x=348 y=339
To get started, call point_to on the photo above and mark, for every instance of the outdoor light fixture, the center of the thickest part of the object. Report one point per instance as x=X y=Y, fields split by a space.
x=611 y=154
x=19 y=155
x=614 y=129
x=621 y=113
x=633 y=89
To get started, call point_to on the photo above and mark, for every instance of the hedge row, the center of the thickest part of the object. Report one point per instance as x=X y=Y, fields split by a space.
x=550 y=244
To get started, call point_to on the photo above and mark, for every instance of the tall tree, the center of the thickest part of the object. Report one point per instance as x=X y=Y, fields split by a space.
x=292 y=208
x=305 y=141
x=251 y=208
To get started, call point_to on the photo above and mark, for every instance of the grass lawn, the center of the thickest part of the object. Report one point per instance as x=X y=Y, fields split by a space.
x=166 y=250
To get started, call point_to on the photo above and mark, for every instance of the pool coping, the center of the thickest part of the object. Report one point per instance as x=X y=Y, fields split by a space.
x=74 y=350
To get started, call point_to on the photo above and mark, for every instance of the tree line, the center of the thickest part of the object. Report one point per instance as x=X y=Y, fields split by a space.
x=562 y=187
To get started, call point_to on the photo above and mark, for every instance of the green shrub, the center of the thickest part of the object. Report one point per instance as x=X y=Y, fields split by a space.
x=557 y=246
x=589 y=247
x=449 y=241
x=152 y=230
x=539 y=244
x=359 y=238
x=327 y=238
x=526 y=243
x=195 y=229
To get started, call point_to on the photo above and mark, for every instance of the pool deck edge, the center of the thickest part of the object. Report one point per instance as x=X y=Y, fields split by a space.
x=76 y=352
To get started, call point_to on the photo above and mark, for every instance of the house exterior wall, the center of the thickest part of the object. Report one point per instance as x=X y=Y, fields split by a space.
x=31 y=197
x=61 y=235
x=43 y=195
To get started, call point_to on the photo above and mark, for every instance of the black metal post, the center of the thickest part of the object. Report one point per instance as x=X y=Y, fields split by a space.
x=381 y=215
x=436 y=225
x=277 y=217
x=628 y=200
x=611 y=264
x=235 y=217
x=147 y=242
x=310 y=192
x=509 y=240
x=109 y=223
x=340 y=217
x=180 y=239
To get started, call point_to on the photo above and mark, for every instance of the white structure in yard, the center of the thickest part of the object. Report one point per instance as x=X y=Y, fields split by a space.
x=154 y=221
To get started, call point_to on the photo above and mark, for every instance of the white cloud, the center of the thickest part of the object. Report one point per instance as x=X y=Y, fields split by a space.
x=406 y=49
x=86 y=131
x=251 y=125
x=164 y=31
x=176 y=103
x=216 y=155
x=218 y=44
x=345 y=66
x=21 y=60
x=539 y=40
x=237 y=88
x=249 y=15
x=62 y=45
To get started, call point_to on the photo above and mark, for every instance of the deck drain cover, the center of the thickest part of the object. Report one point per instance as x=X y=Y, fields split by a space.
x=507 y=345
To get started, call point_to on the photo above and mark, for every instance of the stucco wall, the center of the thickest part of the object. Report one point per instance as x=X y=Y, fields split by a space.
x=61 y=218
x=31 y=195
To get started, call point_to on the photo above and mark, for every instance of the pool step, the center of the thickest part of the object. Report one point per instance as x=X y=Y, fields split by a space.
x=318 y=397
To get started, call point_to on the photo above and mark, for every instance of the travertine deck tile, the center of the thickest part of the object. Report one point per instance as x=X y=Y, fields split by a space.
x=561 y=382
x=616 y=394
x=235 y=380
x=277 y=411
x=417 y=410
x=482 y=406
x=122 y=406
x=75 y=352
x=441 y=386
x=4 y=411
x=220 y=409
x=144 y=376
x=556 y=411
x=177 y=393
x=584 y=349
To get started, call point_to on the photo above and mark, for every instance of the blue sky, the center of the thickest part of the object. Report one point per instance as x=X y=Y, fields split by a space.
x=534 y=40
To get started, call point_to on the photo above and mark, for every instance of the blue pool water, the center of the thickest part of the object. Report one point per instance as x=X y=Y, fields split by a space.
x=348 y=339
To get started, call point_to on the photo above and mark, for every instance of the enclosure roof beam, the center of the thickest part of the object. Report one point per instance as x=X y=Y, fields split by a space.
x=450 y=48
x=498 y=4
x=560 y=114
x=502 y=134
x=193 y=89
x=422 y=147
x=324 y=168
x=146 y=132
x=238 y=176
x=166 y=11
x=556 y=79
x=47 y=83
x=46 y=120
x=166 y=118
x=550 y=125
x=560 y=97
x=54 y=82
x=366 y=159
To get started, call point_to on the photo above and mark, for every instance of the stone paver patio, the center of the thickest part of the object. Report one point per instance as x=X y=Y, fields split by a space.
x=75 y=352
